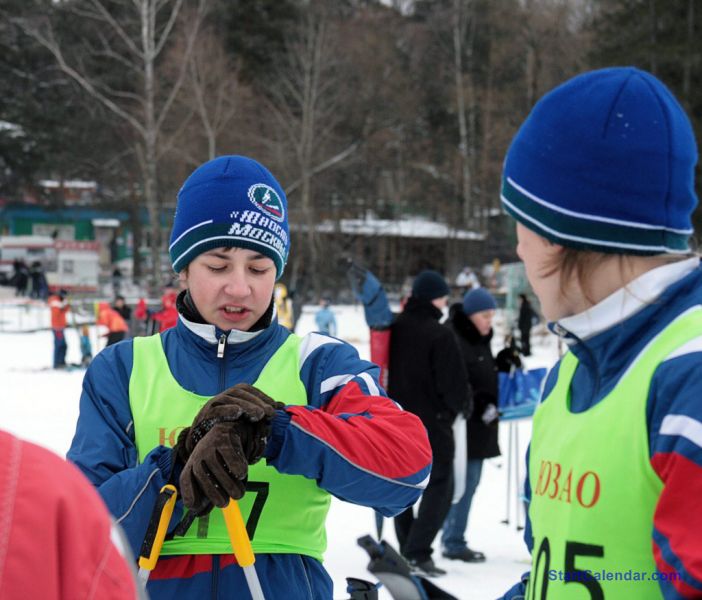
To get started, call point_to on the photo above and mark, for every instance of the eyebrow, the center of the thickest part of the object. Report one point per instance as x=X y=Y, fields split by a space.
x=223 y=253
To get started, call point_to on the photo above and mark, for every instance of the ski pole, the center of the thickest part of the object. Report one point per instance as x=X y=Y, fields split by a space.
x=241 y=544
x=156 y=532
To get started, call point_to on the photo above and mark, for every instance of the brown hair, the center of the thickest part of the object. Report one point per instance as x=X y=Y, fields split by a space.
x=580 y=266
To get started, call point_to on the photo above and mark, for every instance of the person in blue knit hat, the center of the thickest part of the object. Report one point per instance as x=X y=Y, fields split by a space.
x=229 y=404
x=471 y=323
x=600 y=179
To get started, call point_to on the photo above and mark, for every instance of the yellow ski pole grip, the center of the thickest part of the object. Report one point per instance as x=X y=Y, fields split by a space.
x=241 y=543
x=151 y=549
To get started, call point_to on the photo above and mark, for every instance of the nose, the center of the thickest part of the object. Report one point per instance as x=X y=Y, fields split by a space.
x=237 y=285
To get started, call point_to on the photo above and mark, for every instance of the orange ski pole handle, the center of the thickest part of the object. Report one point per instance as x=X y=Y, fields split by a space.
x=151 y=551
x=241 y=543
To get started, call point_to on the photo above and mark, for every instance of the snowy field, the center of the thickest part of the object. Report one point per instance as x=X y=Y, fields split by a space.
x=41 y=405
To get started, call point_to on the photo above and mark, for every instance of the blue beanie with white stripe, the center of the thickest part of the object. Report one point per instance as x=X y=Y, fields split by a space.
x=605 y=162
x=230 y=201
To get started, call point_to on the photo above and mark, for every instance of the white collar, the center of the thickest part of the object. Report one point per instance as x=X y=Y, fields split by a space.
x=207 y=332
x=626 y=301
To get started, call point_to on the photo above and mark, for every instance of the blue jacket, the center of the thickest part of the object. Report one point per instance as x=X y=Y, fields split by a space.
x=351 y=438
x=606 y=339
x=326 y=321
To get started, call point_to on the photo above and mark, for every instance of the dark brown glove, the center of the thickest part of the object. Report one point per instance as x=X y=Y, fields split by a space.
x=241 y=401
x=228 y=434
x=216 y=470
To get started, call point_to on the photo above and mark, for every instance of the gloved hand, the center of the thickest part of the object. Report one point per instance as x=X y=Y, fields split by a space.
x=490 y=414
x=356 y=275
x=218 y=466
x=241 y=401
x=228 y=434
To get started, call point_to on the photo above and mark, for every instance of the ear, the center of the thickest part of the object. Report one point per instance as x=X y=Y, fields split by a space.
x=183 y=277
x=553 y=248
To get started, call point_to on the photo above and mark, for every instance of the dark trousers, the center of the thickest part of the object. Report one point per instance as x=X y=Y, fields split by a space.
x=59 y=348
x=416 y=535
x=525 y=345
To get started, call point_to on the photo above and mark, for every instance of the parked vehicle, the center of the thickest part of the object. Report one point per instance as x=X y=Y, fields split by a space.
x=69 y=264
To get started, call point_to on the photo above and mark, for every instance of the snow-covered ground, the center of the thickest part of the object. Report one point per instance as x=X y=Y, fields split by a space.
x=41 y=405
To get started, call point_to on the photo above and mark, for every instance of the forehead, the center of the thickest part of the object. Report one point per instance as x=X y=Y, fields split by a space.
x=232 y=253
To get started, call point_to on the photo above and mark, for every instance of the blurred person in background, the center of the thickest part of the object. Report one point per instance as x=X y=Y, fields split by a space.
x=20 y=277
x=471 y=323
x=526 y=320
x=325 y=319
x=59 y=306
x=427 y=378
x=167 y=317
x=283 y=306
x=120 y=305
x=116 y=326
x=86 y=347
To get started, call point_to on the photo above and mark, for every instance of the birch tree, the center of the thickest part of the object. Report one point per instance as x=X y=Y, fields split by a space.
x=305 y=100
x=132 y=35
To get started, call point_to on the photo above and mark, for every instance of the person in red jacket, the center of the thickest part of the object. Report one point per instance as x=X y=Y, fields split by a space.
x=167 y=317
x=57 y=541
x=116 y=325
x=59 y=307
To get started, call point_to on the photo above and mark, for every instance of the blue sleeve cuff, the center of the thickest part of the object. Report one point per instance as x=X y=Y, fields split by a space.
x=275 y=440
x=164 y=460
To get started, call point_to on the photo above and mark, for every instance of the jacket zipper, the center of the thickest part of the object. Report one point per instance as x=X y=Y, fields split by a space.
x=221 y=345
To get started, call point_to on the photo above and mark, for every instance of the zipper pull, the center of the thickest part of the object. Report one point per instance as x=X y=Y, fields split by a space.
x=220 y=345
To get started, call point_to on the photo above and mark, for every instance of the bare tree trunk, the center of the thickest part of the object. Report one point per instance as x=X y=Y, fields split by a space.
x=486 y=111
x=148 y=25
x=140 y=54
x=459 y=30
x=687 y=63
x=305 y=103
x=532 y=66
x=654 y=32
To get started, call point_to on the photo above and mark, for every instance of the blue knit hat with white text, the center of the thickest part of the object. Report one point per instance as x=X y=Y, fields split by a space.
x=605 y=162
x=230 y=201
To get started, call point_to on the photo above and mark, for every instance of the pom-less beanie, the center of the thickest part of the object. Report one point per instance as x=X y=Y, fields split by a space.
x=230 y=201
x=478 y=300
x=605 y=162
x=429 y=285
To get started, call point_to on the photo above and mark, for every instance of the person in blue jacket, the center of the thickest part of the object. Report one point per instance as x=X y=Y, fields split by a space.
x=600 y=179
x=324 y=318
x=199 y=404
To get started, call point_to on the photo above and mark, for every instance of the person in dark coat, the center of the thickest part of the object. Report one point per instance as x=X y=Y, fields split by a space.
x=427 y=378
x=20 y=278
x=120 y=305
x=471 y=322
x=525 y=322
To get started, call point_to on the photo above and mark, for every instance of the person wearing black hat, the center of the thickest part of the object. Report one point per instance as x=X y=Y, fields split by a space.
x=427 y=378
